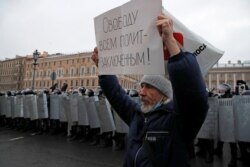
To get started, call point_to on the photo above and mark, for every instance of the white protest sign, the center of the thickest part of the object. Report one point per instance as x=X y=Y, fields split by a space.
x=207 y=55
x=128 y=40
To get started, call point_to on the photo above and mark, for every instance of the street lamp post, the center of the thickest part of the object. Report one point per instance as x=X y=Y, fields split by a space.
x=35 y=58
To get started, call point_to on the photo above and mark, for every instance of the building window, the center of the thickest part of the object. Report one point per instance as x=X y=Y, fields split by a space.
x=48 y=73
x=76 y=71
x=87 y=84
x=72 y=72
x=93 y=70
x=82 y=71
x=88 y=70
x=62 y=71
x=59 y=73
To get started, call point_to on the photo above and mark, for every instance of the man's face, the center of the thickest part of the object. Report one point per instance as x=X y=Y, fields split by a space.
x=241 y=88
x=221 y=91
x=149 y=96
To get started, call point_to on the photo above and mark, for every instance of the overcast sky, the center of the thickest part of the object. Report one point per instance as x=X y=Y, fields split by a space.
x=67 y=26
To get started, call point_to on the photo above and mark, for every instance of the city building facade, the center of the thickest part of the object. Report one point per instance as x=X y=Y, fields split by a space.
x=12 y=73
x=228 y=73
x=79 y=70
x=74 y=69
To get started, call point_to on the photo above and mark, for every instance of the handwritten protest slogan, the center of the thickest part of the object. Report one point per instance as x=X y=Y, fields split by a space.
x=128 y=41
x=124 y=40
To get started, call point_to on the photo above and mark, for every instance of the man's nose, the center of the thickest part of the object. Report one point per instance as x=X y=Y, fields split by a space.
x=142 y=91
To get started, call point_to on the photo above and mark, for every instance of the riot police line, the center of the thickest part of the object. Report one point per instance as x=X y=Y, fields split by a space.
x=227 y=120
x=90 y=113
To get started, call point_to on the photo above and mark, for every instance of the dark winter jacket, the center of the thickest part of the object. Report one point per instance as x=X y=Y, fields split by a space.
x=163 y=137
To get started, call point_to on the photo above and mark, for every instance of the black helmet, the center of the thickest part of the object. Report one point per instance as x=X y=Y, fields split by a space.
x=133 y=93
x=57 y=91
x=224 y=90
x=75 y=91
x=98 y=91
x=46 y=91
x=241 y=87
x=127 y=91
x=29 y=92
x=224 y=87
x=18 y=92
x=82 y=90
x=11 y=93
x=8 y=93
x=90 y=92
x=240 y=82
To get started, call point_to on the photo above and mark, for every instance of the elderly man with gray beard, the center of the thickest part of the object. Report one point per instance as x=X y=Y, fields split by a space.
x=164 y=125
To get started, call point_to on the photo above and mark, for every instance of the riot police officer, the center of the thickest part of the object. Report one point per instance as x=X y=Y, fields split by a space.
x=224 y=91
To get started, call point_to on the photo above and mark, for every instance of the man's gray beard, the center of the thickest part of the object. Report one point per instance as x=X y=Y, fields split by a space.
x=147 y=109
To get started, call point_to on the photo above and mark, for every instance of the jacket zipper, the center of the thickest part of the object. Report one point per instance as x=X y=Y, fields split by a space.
x=136 y=155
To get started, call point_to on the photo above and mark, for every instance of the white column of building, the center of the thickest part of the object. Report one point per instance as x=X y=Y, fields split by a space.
x=225 y=77
x=209 y=82
x=217 y=79
x=234 y=75
x=243 y=76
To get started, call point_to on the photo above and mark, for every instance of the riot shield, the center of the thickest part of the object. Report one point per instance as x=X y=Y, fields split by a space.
x=120 y=125
x=19 y=106
x=32 y=105
x=13 y=106
x=241 y=106
x=54 y=106
x=226 y=120
x=82 y=111
x=73 y=100
x=42 y=106
x=105 y=116
x=64 y=115
x=26 y=112
x=92 y=113
x=209 y=129
x=2 y=101
x=7 y=107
